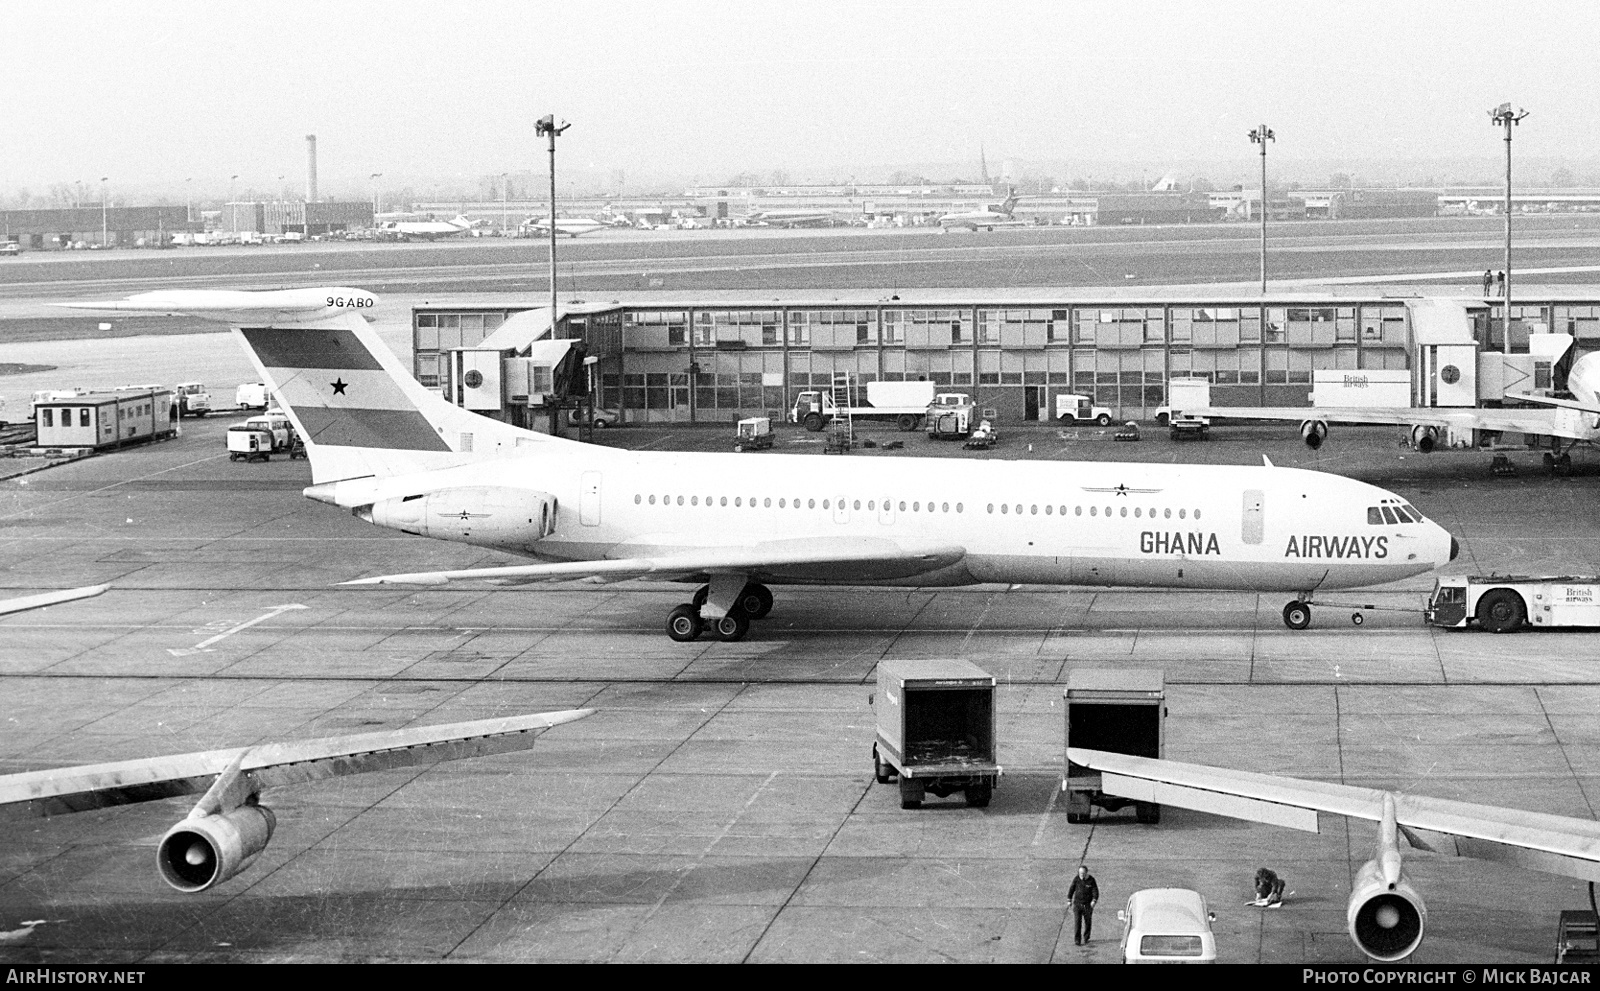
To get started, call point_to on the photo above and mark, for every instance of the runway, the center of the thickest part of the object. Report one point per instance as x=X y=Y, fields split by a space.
x=720 y=805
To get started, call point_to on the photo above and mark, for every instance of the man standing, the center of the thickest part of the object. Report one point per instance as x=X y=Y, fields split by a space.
x=1488 y=281
x=1082 y=895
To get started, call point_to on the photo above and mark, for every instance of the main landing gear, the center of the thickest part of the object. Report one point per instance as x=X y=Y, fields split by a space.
x=684 y=623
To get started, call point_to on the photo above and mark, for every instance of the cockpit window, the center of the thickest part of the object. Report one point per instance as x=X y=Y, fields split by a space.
x=1388 y=515
x=1373 y=516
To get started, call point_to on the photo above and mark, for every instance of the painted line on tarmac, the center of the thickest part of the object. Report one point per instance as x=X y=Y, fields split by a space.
x=204 y=646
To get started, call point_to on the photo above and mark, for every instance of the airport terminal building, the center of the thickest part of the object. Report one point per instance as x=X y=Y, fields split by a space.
x=666 y=357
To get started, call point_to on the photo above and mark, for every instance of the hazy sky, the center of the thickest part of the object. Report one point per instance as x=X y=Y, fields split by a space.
x=146 y=91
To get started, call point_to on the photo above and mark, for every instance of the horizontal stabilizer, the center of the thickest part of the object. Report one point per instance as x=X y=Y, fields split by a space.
x=240 y=305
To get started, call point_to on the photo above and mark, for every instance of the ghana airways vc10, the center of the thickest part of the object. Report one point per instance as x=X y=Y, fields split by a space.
x=399 y=456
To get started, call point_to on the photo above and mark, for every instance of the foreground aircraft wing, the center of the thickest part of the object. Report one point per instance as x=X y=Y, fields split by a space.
x=79 y=789
x=1537 y=841
x=1529 y=397
x=43 y=599
x=863 y=558
x=1530 y=421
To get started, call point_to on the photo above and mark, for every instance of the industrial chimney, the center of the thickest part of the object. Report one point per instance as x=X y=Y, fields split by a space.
x=311 y=168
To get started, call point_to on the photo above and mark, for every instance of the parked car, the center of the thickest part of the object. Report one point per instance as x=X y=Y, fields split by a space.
x=1167 y=925
x=601 y=417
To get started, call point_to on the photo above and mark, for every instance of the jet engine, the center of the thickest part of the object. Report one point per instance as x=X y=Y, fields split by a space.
x=1424 y=438
x=485 y=515
x=204 y=850
x=1314 y=432
x=1385 y=919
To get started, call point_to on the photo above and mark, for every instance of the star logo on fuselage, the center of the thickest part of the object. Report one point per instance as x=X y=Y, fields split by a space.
x=339 y=385
x=1121 y=490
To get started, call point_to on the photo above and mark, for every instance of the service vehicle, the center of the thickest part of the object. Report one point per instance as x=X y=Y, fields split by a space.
x=904 y=404
x=1128 y=431
x=983 y=438
x=951 y=415
x=1116 y=710
x=753 y=434
x=1072 y=408
x=936 y=730
x=1181 y=426
x=193 y=399
x=1507 y=603
x=1167 y=925
x=249 y=442
x=252 y=395
x=10 y=249
x=1182 y=394
x=1577 y=940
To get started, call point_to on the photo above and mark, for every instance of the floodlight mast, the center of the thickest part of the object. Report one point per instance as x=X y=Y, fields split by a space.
x=1261 y=135
x=547 y=125
x=1504 y=116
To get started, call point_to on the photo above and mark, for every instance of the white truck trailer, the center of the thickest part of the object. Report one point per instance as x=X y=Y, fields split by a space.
x=1507 y=603
x=902 y=403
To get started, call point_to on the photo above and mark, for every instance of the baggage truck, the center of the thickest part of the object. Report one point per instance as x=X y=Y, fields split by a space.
x=902 y=403
x=1118 y=711
x=952 y=415
x=1507 y=603
x=936 y=730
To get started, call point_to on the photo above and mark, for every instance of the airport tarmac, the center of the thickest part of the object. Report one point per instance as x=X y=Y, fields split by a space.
x=720 y=806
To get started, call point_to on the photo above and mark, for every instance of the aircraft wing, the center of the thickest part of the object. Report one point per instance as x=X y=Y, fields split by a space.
x=1530 y=421
x=79 y=789
x=43 y=599
x=1529 y=397
x=838 y=559
x=1537 y=841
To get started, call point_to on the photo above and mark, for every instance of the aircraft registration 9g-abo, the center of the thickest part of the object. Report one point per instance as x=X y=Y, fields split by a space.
x=401 y=457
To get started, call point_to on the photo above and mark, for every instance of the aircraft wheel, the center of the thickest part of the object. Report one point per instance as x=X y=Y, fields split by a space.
x=1357 y=618
x=755 y=601
x=683 y=623
x=1103 y=420
x=1297 y=615
x=1501 y=611
x=732 y=627
x=700 y=595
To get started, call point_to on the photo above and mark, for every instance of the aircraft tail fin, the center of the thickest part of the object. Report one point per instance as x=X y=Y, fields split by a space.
x=360 y=412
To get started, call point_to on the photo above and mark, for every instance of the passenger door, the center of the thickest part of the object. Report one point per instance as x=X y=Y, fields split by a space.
x=589 y=499
x=1253 y=528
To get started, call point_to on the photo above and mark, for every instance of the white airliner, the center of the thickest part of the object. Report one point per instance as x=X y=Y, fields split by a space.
x=229 y=826
x=399 y=456
x=988 y=218
x=424 y=230
x=1385 y=915
x=1576 y=420
x=570 y=226
x=791 y=218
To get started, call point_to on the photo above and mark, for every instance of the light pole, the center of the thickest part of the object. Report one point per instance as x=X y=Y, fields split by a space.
x=188 y=200
x=1504 y=116
x=373 y=178
x=104 y=242
x=1261 y=135
x=547 y=125
x=505 y=202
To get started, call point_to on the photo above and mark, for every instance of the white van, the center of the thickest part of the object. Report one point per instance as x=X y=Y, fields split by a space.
x=1167 y=925
x=251 y=395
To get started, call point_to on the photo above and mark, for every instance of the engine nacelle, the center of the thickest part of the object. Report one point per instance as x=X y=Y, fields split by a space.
x=1424 y=438
x=203 y=851
x=485 y=515
x=1314 y=432
x=1386 y=920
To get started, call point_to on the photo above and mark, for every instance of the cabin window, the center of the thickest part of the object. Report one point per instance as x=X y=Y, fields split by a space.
x=1093 y=511
x=637 y=500
x=1005 y=508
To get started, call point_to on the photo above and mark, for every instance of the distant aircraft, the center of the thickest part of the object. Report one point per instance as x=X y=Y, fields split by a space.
x=229 y=826
x=988 y=218
x=1385 y=915
x=570 y=226
x=1576 y=420
x=399 y=456
x=424 y=230
x=790 y=218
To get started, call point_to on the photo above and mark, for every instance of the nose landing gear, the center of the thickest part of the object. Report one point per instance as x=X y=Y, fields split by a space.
x=1297 y=615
